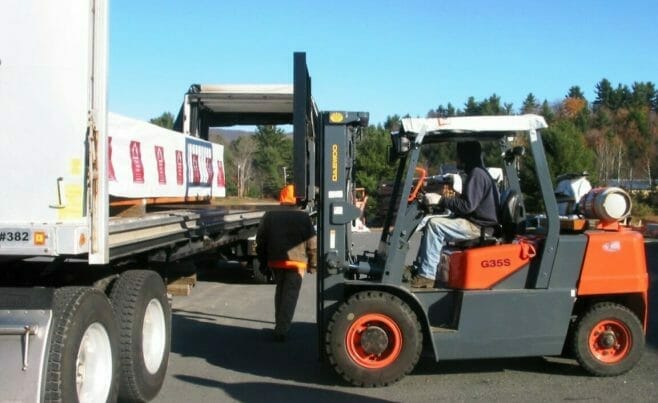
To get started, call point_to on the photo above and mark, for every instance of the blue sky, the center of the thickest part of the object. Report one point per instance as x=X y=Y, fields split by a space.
x=384 y=57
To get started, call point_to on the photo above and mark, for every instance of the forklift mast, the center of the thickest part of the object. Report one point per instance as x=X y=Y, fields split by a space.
x=328 y=161
x=336 y=209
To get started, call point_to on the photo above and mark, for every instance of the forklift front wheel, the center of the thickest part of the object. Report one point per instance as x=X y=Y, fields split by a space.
x=373 y=339
x=608 y=340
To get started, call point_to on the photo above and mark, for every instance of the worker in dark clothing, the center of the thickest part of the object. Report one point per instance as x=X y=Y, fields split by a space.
x=286 y=243
x=475 y=208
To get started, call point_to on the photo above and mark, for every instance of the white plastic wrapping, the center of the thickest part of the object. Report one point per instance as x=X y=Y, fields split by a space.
x=574 y=188
x=146 y=161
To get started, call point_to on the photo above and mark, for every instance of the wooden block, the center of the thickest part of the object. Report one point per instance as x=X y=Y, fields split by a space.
x=182 y=290
x=182 y=286
x=573 y=225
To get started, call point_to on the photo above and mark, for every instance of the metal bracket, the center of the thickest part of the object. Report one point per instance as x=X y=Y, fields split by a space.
x=59 y=204
x=25 y=331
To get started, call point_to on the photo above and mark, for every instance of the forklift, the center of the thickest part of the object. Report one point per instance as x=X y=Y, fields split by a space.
x=530 y=290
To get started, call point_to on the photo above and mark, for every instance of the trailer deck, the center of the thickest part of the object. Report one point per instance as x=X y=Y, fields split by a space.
x=184 y=231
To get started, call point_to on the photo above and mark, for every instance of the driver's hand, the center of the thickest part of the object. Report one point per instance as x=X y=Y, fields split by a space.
x=431 y=199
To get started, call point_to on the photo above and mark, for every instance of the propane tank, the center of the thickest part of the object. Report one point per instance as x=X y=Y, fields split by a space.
x=607 y=204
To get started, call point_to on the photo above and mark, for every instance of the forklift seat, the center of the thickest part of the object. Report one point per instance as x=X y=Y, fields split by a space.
x=512 y=215
x=488 y=236
x=511 y=218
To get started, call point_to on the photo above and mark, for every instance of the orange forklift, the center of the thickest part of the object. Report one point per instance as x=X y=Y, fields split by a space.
x=530 y=290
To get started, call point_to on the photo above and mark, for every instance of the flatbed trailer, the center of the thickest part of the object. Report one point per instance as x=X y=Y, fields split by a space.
x=84 y=309
x=184 y=231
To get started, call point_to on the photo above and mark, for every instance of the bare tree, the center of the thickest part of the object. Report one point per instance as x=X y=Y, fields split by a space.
x=243 y=150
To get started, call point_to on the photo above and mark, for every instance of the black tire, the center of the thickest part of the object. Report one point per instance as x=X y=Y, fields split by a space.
x=608 y=339
x=389 y=353
x=82 y=318
x=259 y=276
x=143 y=356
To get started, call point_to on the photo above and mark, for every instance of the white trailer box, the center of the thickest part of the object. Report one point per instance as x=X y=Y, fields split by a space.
x=53 y=103
x=62 y=154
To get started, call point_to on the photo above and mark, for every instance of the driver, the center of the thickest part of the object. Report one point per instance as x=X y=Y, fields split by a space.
x=472 y=210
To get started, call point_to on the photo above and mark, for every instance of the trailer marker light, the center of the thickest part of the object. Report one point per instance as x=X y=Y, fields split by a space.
x=39 y=238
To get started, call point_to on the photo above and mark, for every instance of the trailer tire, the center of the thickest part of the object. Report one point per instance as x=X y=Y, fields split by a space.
x=608 y=339
x=83 y=359
x=139 y=298
x=373 y=339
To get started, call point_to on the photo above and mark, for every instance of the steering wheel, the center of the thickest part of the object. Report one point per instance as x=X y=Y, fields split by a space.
x=419 y=185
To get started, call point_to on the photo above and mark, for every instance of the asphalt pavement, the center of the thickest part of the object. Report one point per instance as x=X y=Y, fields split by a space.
x=222 y=351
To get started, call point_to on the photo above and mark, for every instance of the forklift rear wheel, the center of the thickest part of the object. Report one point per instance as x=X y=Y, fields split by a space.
x=608 y=339
x=139 y=299
x=373 y=339
x=83 y=358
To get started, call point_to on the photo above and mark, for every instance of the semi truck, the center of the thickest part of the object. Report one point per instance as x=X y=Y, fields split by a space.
x=99 y=212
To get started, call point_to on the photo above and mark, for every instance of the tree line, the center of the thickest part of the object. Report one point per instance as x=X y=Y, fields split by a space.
x=610 y=137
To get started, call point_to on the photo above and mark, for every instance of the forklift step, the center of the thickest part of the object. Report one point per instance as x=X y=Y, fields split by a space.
x=440 y=329
x=421 y=290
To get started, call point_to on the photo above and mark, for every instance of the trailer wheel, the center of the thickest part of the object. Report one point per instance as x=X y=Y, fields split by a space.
x=83 y=358
x=139 y=298
x=373 y=339
x=608 y=339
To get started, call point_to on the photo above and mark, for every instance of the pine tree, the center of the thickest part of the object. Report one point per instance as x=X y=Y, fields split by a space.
x=530 y=104
x=603 y=94
x=273 y=153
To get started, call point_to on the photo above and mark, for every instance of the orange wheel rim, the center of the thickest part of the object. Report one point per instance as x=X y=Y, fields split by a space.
x=355 y=343
x=610 y=341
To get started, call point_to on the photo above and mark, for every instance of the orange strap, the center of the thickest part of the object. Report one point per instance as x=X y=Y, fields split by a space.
x=286 y=264
x=528 y=250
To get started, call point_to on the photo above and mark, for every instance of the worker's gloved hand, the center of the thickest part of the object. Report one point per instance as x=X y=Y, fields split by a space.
x=456 y=181
x=262 y=267
x=431 y=199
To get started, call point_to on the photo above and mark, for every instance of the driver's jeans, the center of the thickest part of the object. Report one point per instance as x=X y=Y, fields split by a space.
x=436 y=233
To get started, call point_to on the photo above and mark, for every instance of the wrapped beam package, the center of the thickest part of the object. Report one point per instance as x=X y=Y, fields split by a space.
x=148 y=161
